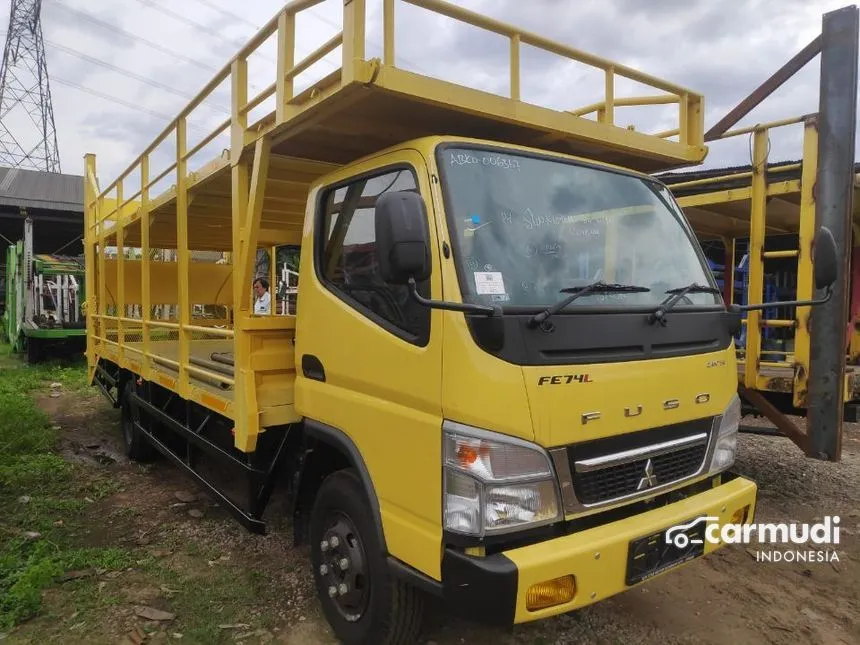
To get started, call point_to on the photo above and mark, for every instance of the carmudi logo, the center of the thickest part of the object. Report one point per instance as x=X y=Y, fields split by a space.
x=821 y=534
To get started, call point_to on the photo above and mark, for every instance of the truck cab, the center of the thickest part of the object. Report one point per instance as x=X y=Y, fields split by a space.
x=538 y=451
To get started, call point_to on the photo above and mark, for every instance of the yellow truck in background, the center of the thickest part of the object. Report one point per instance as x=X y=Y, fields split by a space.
x=508 y=371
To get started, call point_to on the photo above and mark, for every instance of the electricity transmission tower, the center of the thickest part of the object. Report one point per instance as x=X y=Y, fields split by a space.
x=28 y=136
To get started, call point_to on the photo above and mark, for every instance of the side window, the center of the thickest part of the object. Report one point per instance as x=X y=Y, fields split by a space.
x=347 y=262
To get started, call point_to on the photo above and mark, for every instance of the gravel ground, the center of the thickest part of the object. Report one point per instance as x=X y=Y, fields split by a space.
x=208 y=570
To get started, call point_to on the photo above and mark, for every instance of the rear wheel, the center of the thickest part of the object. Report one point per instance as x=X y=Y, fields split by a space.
x=137 y=448
x=361 y=600
x=34 y=350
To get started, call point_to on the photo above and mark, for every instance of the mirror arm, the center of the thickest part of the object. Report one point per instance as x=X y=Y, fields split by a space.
x=788 y=303
x=452 y=306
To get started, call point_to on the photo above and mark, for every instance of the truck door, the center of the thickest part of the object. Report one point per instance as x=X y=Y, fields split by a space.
x=369 y=358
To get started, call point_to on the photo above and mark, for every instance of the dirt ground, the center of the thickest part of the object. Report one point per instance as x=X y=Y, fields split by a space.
x=219 y=583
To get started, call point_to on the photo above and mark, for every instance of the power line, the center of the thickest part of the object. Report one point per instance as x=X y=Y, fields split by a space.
x=229 y=14
x=236 y=16
x=192 y=23
x=116 y=29
x=132 y=106
x=130 y=74
x=106 y=25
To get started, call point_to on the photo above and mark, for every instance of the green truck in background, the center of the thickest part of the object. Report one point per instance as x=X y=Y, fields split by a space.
x=43 y=296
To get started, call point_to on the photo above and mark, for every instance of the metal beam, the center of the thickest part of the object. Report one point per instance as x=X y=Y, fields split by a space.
x=765 y=89
x=777 y=418
x=834 y=194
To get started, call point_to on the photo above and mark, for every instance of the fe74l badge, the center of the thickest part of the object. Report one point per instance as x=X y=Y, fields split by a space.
x=565 y=379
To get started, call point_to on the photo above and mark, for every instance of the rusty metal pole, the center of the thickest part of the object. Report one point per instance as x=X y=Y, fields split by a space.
x=834 y=194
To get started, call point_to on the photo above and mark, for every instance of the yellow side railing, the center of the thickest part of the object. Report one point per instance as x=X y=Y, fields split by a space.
x=351 y=39
x=690 y=113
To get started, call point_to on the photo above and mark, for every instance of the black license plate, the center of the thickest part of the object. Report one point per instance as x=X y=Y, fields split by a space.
x=650 y=555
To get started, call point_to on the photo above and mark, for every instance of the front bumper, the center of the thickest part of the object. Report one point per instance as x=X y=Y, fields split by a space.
x=494 y=588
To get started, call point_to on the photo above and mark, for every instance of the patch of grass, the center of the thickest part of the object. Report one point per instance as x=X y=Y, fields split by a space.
x=24 y=428
x=211 y=596
x=40 y=496
x=31 y=566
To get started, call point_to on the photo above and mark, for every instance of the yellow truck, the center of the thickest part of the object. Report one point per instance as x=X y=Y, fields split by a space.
x=508 y=371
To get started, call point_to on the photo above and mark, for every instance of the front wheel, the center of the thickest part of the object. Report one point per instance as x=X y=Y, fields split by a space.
x=361 y=600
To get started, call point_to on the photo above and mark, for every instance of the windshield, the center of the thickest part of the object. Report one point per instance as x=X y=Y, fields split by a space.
x=525 y=228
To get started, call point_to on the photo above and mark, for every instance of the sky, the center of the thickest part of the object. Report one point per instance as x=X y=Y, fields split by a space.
x=122 y=69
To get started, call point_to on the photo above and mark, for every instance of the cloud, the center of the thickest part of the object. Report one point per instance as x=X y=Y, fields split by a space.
x=723 y=50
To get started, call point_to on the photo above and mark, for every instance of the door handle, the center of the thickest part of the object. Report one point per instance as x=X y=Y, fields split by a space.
x=312 y=368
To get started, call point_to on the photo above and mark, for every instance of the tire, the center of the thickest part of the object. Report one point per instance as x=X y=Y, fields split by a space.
x=377 y=609
x=34 y=353
x=137 y=448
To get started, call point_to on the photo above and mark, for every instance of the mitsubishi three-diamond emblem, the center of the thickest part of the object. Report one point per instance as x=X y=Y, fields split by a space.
x=650 y=479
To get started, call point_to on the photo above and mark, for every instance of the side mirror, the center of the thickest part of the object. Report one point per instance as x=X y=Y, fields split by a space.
x=825 y=258
x=403 y=250
x=402 y=237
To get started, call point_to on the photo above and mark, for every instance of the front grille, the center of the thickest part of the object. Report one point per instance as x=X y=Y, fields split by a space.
x=621 y=480
x=677 y=459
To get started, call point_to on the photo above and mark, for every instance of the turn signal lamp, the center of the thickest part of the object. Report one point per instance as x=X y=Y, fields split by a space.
x=551 y=593
x=740 y=515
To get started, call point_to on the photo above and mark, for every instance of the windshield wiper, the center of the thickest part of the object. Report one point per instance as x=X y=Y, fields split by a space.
x=659 y=314
x=577 y=292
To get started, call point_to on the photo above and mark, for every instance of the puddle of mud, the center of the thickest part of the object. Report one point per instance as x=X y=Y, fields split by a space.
x=91 y=453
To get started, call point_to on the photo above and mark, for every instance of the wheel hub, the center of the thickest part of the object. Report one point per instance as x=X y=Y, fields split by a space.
x=342 y=567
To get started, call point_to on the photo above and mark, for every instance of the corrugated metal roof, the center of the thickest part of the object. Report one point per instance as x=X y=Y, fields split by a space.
x=690 y=175
x=39 y=189
x=728 y=182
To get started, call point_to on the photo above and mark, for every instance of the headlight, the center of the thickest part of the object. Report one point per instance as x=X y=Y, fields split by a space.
x=726 y=440
x=495 y=483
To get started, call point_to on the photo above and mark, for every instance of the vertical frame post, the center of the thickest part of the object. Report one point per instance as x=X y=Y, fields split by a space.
x=515 y=67
x=692 y=119
x=608 y=113
x=284 y=87
x=354 y=23
x=273 y=286
x=29 y=292
x=120 y=272
x=684 y=119
x=239 y=190
x=837 y=126
x=755 y=290
x=90 y=202
x=729 y=272
x=388 y=32
x=182 y=255
x=102 y=299
x=145 y=265
x=806 y=234
x=243 y=404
